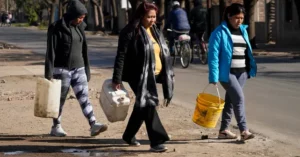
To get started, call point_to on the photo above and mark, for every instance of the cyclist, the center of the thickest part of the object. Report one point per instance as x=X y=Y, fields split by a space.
x=178 y=22
x=9 y=18
x=198 y=18
x=4 y=17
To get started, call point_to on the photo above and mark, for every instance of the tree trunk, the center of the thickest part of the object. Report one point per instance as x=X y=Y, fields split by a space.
x=297 y=2
x=209 y=26
x=96 y=16
x=191 y=5
x=52 y=13
x=183 y=4
x=222 y=7
x=115 y=29
x=61 y=8
x=249 y=19
x=101 y=17
x=64 y=6
x=161 y=17
x=53 y=5
x=134 y=4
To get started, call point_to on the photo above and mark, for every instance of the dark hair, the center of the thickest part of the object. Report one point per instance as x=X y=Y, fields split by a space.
x=233 y=9
x=143 y=9
x=197 y=3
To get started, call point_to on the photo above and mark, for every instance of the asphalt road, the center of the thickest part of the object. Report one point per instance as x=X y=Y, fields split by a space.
x=272 y=98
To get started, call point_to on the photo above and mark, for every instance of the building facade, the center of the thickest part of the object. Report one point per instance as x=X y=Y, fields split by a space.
x=275 y=20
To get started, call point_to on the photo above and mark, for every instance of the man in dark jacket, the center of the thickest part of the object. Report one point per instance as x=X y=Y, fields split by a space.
x=67 y=60
x=178 y=22
x=198 y=18
x=4 y=17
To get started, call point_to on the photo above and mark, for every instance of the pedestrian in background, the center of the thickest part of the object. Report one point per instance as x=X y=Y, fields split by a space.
x=10 y=17
x=4 y=17
x=67 y=60
x=198 y=22
x=143 y=60
x=231 y=62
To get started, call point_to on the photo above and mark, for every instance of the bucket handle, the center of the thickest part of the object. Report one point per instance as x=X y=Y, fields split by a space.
x=217 y=92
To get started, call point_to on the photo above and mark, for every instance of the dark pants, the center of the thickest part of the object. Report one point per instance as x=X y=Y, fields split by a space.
x=197 y=38
x=156 y=132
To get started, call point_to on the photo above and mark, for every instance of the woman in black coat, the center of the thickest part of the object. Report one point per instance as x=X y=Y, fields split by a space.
x=143 y=60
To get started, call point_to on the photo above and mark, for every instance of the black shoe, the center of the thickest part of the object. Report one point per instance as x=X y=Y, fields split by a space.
x=159 y=148
x=133 y=142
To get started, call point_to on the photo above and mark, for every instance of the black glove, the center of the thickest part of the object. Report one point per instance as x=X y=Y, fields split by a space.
x=167 y=102
x=48 y=77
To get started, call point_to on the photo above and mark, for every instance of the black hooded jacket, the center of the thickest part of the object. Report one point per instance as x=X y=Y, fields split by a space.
x=198 y=17
x=59 y=41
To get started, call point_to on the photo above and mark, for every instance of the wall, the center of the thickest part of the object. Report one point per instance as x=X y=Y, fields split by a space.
x=288 y=33
x=261 y=23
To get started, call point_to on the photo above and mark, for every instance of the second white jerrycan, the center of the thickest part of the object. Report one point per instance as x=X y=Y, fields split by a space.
x=47 y=98
x=115 y=104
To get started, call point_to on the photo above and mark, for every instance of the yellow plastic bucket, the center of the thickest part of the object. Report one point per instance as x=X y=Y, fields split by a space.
x=208 y=109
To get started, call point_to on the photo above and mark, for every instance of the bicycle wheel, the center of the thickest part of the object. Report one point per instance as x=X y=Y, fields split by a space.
x=174 y=59
x=203 y=55
x=194 y=50
x=197 y=50
x=185 y=55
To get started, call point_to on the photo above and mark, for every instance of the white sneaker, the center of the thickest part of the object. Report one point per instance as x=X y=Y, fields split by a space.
x=58 y=131
x=97 y=128
x=227 y=134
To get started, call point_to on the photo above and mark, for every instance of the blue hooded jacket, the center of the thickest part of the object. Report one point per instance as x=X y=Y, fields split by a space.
x=178 y=20
x=220 y=53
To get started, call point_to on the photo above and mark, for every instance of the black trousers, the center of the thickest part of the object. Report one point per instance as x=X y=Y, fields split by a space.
x=156 y=132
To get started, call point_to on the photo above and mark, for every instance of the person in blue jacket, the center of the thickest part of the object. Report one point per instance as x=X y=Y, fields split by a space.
x=178 y=22
x=231 y=62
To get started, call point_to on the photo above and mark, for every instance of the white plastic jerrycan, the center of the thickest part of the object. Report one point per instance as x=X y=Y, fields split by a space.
x=47 y=98
x=115 y=104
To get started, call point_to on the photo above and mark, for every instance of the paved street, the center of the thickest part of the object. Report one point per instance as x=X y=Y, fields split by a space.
x=272 y=98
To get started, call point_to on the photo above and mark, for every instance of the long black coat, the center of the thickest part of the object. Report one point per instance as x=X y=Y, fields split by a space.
x=129 y=61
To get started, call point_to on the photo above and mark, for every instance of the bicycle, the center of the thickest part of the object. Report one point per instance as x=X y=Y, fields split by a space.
x=200 y=49
x=182 y=49
x=6 y=23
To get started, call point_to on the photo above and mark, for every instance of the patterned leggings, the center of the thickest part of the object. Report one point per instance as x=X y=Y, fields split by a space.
x=78 y=80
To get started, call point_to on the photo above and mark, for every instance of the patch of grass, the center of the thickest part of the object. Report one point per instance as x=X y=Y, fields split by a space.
x=43 y=27
x=20 y=24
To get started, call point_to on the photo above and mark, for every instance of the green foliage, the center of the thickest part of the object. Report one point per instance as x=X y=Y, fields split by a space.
x=20 y=24
x=32 y=8
x=43 y=25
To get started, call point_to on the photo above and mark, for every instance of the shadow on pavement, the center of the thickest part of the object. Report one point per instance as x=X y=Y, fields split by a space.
x=77 y=150
x=276 y=59
x=210 y=140
x=281 y=74
x=114 y=142
x=25 y=56
x=83 y=146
